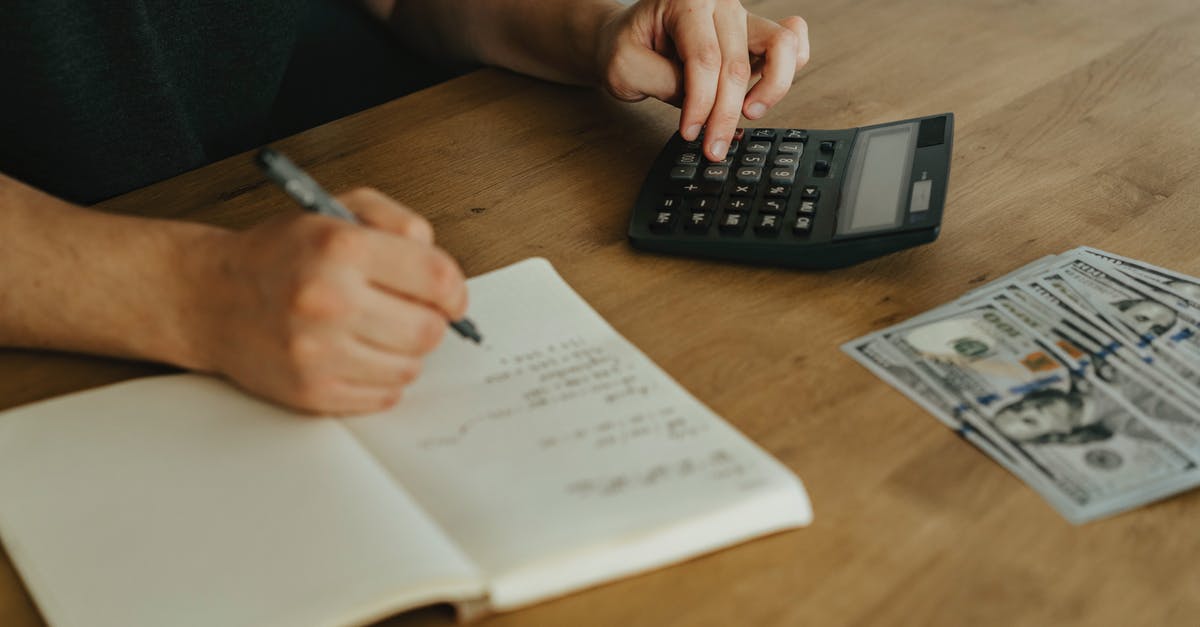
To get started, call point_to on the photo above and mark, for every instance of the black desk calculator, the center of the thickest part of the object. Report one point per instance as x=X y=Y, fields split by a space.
x=799 y=198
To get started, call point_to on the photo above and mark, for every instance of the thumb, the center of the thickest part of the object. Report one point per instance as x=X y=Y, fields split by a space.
x=635 y=72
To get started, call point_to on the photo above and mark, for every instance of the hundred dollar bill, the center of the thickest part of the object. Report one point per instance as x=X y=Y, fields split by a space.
x=883 y=360
x=1143 y=311
x=1167 y=363
x=1095 y=453
x=1180 y=285
x=1090 y=357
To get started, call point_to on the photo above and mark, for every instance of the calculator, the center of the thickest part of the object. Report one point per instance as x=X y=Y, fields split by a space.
x=799 y=198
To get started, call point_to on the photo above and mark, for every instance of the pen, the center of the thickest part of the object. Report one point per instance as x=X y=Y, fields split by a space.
x=305 y=191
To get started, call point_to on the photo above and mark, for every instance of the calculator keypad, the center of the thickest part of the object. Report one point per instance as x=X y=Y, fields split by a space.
x=776 y=196
x=762 y=183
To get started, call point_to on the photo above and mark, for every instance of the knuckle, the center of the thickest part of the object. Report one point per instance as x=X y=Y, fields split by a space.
x=708 y=58
x=799 y=22
x=615 y=80
x=318 y=300
x=409 y=372
x=738 y=70
x=420 y=228
x=786 y=38
x=303 y=350
x=393 y=399
x=734 y=7
x=428 y=332
x=315 y=393
x=361 y=195
x=726 y=119
x=338 y=241
x=445 y=280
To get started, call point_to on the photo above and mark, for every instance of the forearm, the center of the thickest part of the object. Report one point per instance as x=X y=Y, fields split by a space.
x=551 y=39
x=79 y=280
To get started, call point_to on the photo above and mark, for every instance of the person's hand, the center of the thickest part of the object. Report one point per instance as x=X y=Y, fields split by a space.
x=702 y=55
x=331 y=317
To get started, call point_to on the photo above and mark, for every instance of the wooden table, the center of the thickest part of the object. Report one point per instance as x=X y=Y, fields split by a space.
x=1077 y=123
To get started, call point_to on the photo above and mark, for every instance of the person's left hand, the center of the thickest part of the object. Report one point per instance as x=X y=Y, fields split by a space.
x=702 y=55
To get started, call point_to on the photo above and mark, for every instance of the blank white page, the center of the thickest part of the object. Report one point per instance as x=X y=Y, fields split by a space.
x=181 y=501
x=558 y=455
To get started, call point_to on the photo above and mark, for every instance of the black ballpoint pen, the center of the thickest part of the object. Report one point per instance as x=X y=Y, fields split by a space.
x=305 y=191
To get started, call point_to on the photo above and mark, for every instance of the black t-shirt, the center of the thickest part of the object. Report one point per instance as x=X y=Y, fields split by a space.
x=105 y=96
x=101 y=97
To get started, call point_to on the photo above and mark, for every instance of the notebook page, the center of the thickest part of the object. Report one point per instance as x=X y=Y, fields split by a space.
x=181 y=501
x=557 y=445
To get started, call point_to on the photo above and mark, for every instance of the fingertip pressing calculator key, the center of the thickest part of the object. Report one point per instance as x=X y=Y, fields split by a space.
x=799 y=198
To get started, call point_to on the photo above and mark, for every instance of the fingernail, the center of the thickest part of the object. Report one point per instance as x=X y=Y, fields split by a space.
x=756 y=110
x=719 y=147
x=692 y=132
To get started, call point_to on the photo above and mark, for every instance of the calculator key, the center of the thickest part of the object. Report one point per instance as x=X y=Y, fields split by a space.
x=767 y=224
x=773 y=205
x=663 y=221
x=698 y=221
x=791 y=148
x=827 y=146
x=716 y=173
x=786 y=161
x=702 y=203
x=734 y=222
x=763 y=147
x=806 y=207
x=693 y=145
x=733 y=146
x=696 y=188
x=756 y=159
x=748 y=175
x=742 y=189
x=810 y=192
x=688 y=158
x=783 y=176
x=795 y=135
x=821 y=168
x=670 y=203
x=763 y=133
x=802 y=226
x=738 y=205
x=727 y=161
x=779 y=191
x=683 y=173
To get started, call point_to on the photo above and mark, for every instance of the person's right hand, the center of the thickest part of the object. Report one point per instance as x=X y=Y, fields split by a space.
x=331 y=317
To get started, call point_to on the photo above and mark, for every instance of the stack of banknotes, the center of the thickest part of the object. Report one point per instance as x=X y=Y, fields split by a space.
x=1079 y=373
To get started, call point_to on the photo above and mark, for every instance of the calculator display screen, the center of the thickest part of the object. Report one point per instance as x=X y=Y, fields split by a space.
x=876 y=183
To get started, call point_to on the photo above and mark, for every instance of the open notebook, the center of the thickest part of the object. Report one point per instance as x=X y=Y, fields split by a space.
x=554 y=457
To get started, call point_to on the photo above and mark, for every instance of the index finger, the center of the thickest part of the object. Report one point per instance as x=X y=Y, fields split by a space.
x=730 y=22
x=383 y=212
x=695 y=38
x=417 y=271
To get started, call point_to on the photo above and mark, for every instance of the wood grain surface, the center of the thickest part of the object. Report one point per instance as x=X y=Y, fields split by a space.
x=1076 y=123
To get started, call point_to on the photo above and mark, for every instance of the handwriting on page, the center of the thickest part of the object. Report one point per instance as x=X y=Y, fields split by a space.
x=718 y=465
x=566 y=372
x=664 y=423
